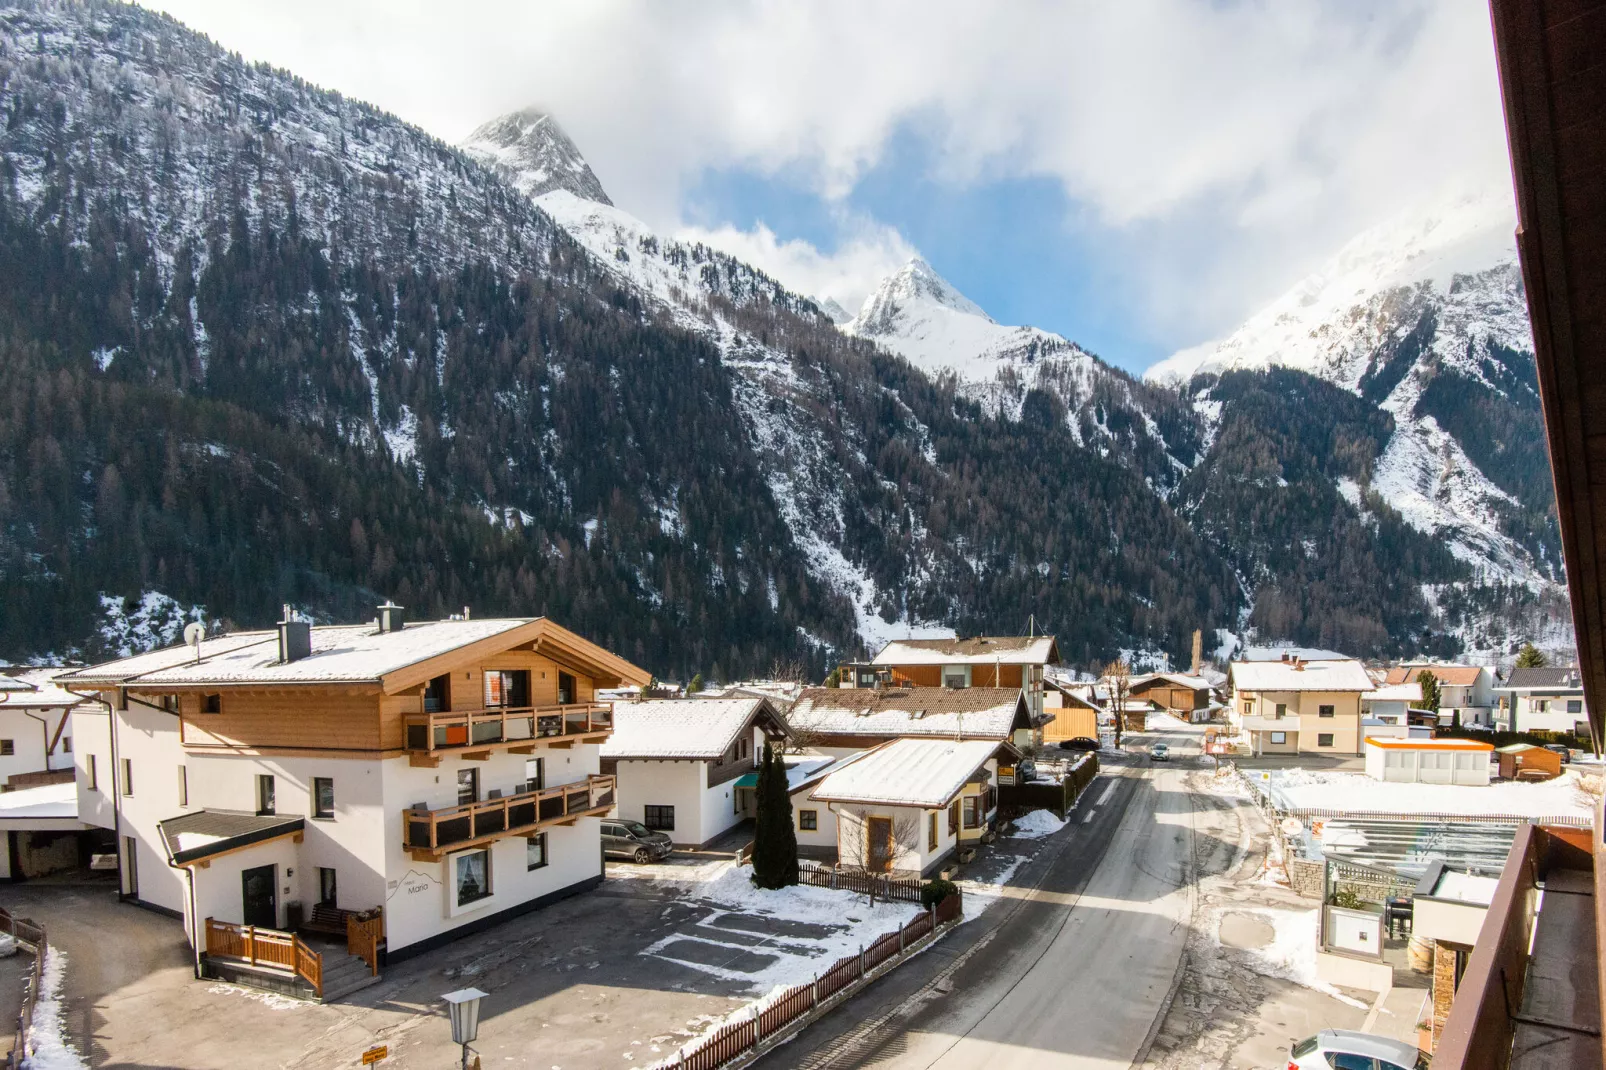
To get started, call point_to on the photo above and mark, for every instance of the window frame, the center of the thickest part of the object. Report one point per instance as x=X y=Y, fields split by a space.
x=545 y=848
x=931 y=830
x=267 y=795
x=183 y=785
x=128 y=778
x=970 y=811
x=653 y=816
x=457 y=883
x=8 y=748
x=1325 y=739
x=212 y=702
x=1326 y=709
x=92 y=774
x=319 y=812
x=808 y=821
x=1279 y=738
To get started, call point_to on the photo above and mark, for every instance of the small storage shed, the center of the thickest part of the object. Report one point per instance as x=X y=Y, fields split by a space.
x=1526 y=758
x=1428 y=761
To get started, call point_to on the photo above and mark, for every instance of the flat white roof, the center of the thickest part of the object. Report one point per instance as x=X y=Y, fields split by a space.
x=1466 y=887
x=47 y=800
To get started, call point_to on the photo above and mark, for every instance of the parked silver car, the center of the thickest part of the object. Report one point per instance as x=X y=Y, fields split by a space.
x=635 y=841
x=1345 y=1049
x=1160 y=753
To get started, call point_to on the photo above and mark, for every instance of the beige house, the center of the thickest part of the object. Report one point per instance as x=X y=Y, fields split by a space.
x=1294 y=706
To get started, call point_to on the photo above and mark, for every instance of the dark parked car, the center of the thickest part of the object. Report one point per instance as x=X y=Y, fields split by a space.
x=1079 y=743
x=1561 y=749
x=635 y=841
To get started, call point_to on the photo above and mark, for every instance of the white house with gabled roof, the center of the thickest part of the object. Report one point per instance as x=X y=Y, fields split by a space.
x=1295 y=706
x=909 y=805
x=35 y=727
x=686 y=767
x=419 y=781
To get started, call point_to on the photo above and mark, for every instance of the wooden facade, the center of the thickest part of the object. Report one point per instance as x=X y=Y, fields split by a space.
x=1172 y=695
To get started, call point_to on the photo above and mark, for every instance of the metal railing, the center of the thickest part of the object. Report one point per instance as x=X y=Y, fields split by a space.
x=460 y=730
x=511 y=815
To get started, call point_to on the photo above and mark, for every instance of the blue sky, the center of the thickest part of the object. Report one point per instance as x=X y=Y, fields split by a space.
x=1140 y=176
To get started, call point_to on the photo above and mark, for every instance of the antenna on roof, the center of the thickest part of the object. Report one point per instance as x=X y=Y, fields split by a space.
x=194 y=632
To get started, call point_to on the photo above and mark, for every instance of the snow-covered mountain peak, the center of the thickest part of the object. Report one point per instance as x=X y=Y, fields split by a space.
x=914 y=284
x=1327 y=322
x=532 y=151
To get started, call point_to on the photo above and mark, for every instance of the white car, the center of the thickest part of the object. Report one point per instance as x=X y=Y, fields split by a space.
x=1345 y=1049
x=1160 y=753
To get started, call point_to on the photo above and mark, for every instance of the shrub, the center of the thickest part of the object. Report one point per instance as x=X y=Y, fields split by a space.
x=1346 y=898
x=935 y=891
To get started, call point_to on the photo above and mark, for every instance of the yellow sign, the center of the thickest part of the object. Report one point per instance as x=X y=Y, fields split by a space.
x=373 y=1055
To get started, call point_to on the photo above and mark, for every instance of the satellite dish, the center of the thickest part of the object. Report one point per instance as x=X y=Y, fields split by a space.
x=194 y=632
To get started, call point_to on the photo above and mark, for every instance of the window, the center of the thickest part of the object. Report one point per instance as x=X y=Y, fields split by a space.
x=128 y=776
x=1544 y=705
x=534 y=774
x=1249 y=708
x=1575 y=705
x=472 y=876
x=468 y=786
x=507 y=688
x=1324 y=711
x=7 y=747
x=1282 y=710
x=327 y=886
x=92 y=774
x=1324 y=739
x=66 y=745
x=659 y=818
x=323 y=796
x=953 y=818
x=808 y=820
x=931 y=831
x=534 y=852
x=956 y=676
x=266 y=792
x=211 y=703
x=183 y=786
x=438 y=694
x=1279 y=737
x=567 y=692
x=972 y=818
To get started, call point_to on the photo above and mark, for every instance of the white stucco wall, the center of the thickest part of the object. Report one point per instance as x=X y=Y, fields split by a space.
x=912 y=851
x=823 y=837
x=148 y=739
x=677 y=784
x=1447 y=919
x=29 y=736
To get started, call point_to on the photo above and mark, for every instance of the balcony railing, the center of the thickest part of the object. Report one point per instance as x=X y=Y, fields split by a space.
x=431 y=833
x=431 y=736
x=269 y=948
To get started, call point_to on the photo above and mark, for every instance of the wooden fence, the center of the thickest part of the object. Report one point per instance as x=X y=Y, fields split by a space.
x=31 y=935
x=265 y=947
x=741 y=1037
x=1075 y=774
x=899 y=889
x=363 y=936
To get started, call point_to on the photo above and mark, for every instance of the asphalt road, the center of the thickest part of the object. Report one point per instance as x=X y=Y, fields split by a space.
x=1071 y=972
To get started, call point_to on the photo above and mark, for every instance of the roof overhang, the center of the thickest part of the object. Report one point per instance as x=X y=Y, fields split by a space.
x=240 y=832
x=1552 y=63
x=545 y=637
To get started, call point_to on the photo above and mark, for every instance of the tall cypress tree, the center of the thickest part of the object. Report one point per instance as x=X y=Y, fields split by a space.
x=774 y=841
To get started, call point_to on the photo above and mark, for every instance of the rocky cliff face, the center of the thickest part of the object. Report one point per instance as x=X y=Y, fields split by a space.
x=532 y=152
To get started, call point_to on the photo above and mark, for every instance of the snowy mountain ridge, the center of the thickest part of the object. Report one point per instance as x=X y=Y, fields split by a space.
x=534 y=153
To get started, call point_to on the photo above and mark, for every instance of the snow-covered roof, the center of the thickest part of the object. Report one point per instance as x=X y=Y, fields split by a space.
x=924 y=773
x=36 y=689
x=1411 y=692
x=683 y=728
x=1337 y=675
x=968 y=712
x=805 y=772
x=1465 y=887
x=1179 y=679
x=45 y=801
x=344 y=653
x=982 y=650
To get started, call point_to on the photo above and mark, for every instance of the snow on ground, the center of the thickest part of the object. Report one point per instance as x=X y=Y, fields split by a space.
x=1291 y=954
x=1167 y=720
x=845 y=923
x=1301 y=789
x=1036 y=825
x=47 y=1041
x=981 y=895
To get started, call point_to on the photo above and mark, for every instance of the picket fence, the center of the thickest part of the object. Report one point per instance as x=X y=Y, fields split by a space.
x=892 y=889
x=741 y=1037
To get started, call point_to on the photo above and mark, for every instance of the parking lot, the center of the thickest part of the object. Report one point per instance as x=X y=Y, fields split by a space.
x=617 y=976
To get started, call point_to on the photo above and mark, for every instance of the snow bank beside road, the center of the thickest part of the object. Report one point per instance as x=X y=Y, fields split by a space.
x=1036 y=825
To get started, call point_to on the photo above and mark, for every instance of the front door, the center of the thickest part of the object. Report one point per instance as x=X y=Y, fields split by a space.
x=326 y=886
x=259 y=897
x=880 y=859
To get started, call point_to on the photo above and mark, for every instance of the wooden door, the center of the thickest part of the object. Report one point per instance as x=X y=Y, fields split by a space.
x=880 y=847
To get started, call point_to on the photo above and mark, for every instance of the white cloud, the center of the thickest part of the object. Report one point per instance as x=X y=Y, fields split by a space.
x=1272 y=130
x=866 y=253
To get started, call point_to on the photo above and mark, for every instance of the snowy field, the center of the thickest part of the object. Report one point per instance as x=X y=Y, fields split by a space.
x=1301 y=789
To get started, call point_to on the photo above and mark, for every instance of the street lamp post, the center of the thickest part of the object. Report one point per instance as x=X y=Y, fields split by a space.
x=463 y=1007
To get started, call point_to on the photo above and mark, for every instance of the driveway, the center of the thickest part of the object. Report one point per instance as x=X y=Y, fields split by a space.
x=616 y=977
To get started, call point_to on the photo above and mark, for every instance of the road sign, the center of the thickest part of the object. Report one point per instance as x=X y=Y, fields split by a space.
x=373 y=1055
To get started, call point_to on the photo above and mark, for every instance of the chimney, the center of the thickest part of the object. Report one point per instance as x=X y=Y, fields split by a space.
x=466 y=615
x=295 y=638
x=391 y=617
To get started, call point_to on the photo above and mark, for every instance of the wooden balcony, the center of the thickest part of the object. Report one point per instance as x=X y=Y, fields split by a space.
x=474 y=734
x=429 y=834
